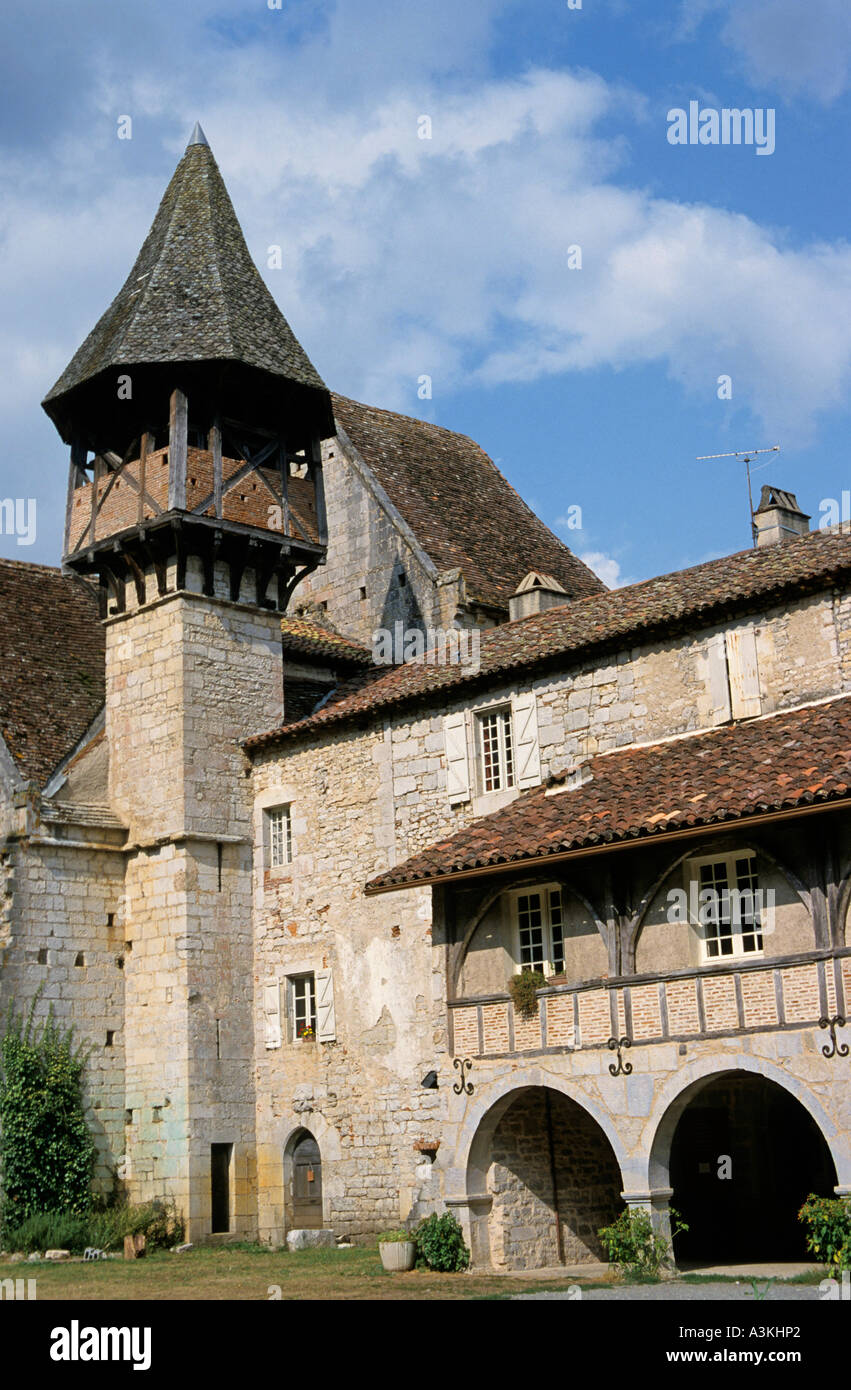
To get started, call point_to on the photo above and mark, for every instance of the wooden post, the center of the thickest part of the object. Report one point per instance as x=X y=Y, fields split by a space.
x=285 y=483
x=76 y=475
x=319 y=490
x=144 y=445
x=214 y=444
x=96 y=477
x=178 y=437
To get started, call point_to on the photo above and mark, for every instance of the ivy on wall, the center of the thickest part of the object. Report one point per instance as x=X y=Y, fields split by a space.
x=46 y=1151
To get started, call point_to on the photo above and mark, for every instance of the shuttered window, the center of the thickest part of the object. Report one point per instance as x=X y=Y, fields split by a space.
x=280 y=837
x=496 y=750
x=457 y=765
x=272 y=1013
x=524 y=711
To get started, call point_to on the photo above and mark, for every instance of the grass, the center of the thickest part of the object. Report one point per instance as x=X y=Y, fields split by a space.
x=245 y=1271
x=248 y=1272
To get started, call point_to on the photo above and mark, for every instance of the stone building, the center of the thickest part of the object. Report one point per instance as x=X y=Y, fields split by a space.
x=284 y=891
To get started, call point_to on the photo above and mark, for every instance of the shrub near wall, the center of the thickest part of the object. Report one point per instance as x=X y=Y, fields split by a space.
x=46 y=1151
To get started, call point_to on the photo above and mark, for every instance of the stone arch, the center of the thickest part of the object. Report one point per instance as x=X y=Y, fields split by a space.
x=687 y=1083
x=530 y=880
x=326 y=1136
x=474 y=1151
x=723 y=845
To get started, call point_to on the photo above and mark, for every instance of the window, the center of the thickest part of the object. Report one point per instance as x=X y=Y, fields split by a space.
x=540 y=927
x=280 y=837
x=728 y=908
x=496 y=750
x=303 y=1006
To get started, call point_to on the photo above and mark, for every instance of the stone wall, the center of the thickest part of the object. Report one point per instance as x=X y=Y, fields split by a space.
x=528 y=1151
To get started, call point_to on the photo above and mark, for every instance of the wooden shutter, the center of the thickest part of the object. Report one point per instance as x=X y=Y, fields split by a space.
x=272 y=1013
x=744 y=672
x=719 y=681
x=326 y=1023
x=457 y=763
x=527 y=755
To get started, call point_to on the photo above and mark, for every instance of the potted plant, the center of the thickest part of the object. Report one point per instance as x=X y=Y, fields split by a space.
x=398 y=1250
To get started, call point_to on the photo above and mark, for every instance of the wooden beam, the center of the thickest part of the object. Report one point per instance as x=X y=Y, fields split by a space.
x=144 y=445
x=76 y=476
x=285 y=483
x=178 y=443
x=319 y=490
x=214 y=443
x=96 y=476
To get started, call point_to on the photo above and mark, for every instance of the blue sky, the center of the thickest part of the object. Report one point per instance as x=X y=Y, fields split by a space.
x=402 y=257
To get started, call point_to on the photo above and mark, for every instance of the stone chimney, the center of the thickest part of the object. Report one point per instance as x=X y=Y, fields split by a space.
x=778 y=517
x=535 y=593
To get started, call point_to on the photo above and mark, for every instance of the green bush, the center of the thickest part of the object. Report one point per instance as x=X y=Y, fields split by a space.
x=636 y=1250
x=829 y=1233
x=46 y=1151
x=440 y=1244
x=103 y=1228
x=523 y=989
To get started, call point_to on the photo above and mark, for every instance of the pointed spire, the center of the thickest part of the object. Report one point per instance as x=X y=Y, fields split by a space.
x=194 y=296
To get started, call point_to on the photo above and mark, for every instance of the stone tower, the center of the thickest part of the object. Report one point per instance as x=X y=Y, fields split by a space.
x=195 y=497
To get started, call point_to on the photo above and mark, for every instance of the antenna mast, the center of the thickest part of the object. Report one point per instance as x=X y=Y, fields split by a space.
x=745 y=457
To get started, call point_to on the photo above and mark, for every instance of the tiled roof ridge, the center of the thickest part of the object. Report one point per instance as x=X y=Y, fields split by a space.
x=573 y=629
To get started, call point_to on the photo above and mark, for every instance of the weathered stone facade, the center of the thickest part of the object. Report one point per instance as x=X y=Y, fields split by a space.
x=194 y=868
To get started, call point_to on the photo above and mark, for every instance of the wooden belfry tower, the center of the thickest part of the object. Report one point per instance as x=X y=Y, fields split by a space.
x=195 y=418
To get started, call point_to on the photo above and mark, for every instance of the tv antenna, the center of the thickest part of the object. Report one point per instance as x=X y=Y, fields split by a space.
x=745 y=457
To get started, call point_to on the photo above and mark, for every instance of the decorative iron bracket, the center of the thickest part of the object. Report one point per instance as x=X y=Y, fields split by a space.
x=834 y=1048
x=462 y=1086
x=623 y=1068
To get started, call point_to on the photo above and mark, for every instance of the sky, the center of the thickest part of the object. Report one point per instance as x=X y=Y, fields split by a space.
x=482 y=194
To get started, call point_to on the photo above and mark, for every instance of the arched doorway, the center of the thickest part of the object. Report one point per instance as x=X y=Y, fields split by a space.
x=552 y=1177
x=303 y=1182
x=744 y=1156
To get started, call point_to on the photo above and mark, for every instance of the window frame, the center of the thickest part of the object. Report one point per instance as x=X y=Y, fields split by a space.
x=308 y=978
x=738 y=930
x=269 y=815
x=552 y=930
x=506 y=760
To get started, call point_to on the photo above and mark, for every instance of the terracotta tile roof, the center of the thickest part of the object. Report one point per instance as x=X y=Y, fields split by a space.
x=464 y=513
x=52 y=682
x=608 y=622
x=784 y=761
x=309 y=638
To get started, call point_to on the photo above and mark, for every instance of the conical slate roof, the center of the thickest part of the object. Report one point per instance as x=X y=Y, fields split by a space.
x=194 y=294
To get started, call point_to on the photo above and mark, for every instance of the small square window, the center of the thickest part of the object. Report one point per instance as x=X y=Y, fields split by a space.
x=280 y=838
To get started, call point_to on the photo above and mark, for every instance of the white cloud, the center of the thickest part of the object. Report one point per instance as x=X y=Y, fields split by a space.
x=606 y=567
x=799 y=46
x=405 y=257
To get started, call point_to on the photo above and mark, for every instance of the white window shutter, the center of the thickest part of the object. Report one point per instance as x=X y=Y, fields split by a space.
x=272 y=1013
x=527 y=754
x=744 y=672
x=457 y=762
x=326 y=1023
x=719 y=682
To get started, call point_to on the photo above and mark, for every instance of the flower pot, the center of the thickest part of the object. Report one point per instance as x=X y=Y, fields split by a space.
x=397 y=1254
